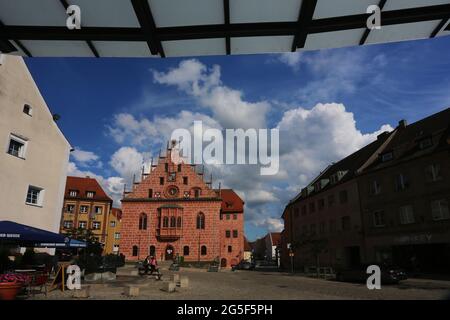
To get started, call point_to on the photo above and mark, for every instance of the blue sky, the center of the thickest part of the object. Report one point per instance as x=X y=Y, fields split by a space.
x=327 y=103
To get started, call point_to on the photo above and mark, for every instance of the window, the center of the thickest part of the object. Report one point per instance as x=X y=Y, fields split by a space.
x=135 y=251
x=116 y=248
x=230 y=249
x=70 y=208
x=82 y=224
x=346 y=223
x=321 y=204
x=433 y=172
x=73 y=193
x=96 y=225
x=17 y=146
x=84 y=209
x=332 y=226
x=343 y=196
x=322 y=228
x=200 y=221
x=331 y=200
x=406 y=214
x=234 y=216
x=228 y=216
x=312 y=207
x=312 y=229
x=35 y=196
x=185 y=250
x=425 y=143
x=185 y=180
x=235 y=233
x=375 y=187
x=161 y=180
x=165 y=222
x=401 y=182
x=113 y=224
x=172 y=176
x=67 y=224
x=305 y=230
x=179 y=222
x=143 y=221
x=90 y=194
x=197 y=192
x=378 y=219
x=152 y=250
x=117 y=235
x=304 y=210
x=98 y=210
x=27 y=109
x=203 y=251
x=179 y=168
x=150 y=193
x=166 y=167
x=173 y=222
x=388 y=156
x=439 y=209
x=228 y=234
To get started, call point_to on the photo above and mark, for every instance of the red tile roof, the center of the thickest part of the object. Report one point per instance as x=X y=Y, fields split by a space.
x=117 y=213
x=82 y=186
x=231 y=202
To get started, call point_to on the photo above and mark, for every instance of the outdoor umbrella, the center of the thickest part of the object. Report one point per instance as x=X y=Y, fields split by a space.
x=23 y=235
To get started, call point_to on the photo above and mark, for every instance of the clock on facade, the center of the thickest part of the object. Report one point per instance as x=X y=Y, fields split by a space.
x=172 y=191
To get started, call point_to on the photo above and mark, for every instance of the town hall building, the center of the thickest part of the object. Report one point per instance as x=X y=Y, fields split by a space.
x=173 y=212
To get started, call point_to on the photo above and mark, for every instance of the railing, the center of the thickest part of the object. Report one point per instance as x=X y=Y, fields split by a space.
x=168 y=233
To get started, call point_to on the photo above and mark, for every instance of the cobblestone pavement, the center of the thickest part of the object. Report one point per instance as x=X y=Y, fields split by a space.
x=257 y=285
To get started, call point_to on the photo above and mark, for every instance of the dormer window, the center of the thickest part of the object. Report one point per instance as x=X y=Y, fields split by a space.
x=27 y=109
x=388 y=156
x=73 y=193
x=90 y=194
x=229 y=204
x=425 y=143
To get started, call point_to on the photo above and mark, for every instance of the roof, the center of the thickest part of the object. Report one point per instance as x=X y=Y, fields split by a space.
x=276 y=238
x=405 y=144
x=83 y=185
x=167 y=28
x=116 y=212
x=231 y=202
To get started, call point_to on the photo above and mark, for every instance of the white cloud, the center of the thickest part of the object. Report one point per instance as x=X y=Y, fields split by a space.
x=227 y=105
x=127 y=161
x=271 y=224
x=291 y=59
x=84 y=158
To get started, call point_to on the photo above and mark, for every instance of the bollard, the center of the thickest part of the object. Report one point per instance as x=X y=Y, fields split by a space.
x=169 y=286
x=175 y=278
x=184 y=282
x=132 y=291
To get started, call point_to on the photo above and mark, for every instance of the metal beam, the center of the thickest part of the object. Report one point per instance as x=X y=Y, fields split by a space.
x=440 y=27
x=145 y=18
x=367 y=31
x=91 y=46
x=7 y=47
x=304 y=19
x=226 y=16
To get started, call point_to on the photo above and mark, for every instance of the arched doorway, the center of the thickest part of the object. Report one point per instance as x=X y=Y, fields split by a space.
x=223 y=263
x=168 y=253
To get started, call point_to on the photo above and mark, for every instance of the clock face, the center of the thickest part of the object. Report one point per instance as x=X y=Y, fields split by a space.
x=172 y=191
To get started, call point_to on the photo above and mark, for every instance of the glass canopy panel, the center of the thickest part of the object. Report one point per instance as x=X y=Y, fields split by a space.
x=335 y=39
x=336 y=8
x=197 y=47
x=19 y=51
x=248 y=45
x=106 y=13
x=175 y=13
x=44 y=48
x=406 y=4
x=249 y=11
x=122 y=49
x=401 y=32
x=33 y=13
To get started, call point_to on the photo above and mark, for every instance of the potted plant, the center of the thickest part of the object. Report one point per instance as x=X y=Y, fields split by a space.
x=10 y=285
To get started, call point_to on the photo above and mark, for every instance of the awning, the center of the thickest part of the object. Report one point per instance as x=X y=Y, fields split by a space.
x=23 y=235
x=168 y=28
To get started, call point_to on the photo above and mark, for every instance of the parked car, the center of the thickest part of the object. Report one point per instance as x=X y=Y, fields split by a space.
x=244 y=265
x=389 y=274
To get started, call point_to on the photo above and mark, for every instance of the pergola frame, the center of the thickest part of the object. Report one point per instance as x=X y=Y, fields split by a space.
x=153 y=36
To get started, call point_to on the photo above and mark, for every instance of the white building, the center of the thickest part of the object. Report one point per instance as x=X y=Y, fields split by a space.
x=34 y=153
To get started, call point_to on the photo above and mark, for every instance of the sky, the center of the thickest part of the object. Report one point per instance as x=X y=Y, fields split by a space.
x=118 y=113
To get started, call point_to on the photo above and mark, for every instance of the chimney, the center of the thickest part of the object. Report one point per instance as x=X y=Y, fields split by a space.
x=402 y=124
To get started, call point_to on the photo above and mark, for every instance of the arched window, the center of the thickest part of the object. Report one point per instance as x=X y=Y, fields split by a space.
x=152 y=251
x=179 y=224
x=143 y=221
x=165 y=222
x=185 y=250
x=203 y=251
x=200 y=221
x=173 y=222
x=135 y=251
x=197 y=192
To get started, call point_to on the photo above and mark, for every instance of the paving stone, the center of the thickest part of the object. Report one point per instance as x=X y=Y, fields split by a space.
x=82 y=293
x=169 y=286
